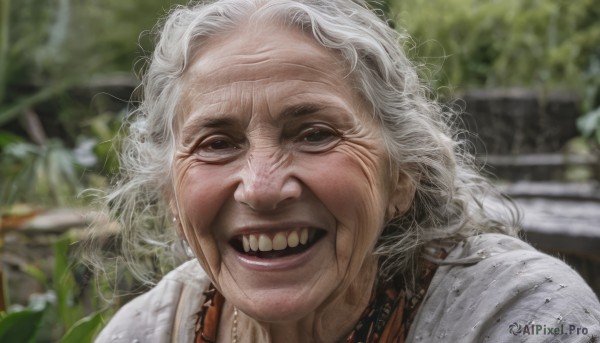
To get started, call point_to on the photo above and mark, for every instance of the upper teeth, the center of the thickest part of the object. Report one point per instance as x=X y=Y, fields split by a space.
x=279 y=241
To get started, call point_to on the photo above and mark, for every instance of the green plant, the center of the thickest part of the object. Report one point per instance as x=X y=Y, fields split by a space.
x=83 y=330
x=545 y=44
x=589 y=124
x=21 y=326
x=48 y=48
x=56 y=59
x=59 y=311
x=540 y=44
x=46 y=174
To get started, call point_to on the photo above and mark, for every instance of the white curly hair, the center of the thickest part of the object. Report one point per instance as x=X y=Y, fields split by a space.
x=419 y=134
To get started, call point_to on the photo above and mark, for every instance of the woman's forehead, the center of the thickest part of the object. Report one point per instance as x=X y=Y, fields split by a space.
x=243 y=54
x=279 y=69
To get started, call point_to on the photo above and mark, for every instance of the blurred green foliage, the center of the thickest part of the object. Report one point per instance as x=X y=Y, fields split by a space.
x=47 y=173
x=589 y=124
x=542 y=44
x=51 y=52
x=59 y=312
x=54 y=142
x=51 y=41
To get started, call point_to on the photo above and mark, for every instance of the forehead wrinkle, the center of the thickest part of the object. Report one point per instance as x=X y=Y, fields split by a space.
x=213 y=103
x=235 y=51
x=222 y=100
x=216 y=90
x=210 y=80
x=225 y=54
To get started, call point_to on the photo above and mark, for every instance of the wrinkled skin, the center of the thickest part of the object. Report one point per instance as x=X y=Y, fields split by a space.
x=271 y=135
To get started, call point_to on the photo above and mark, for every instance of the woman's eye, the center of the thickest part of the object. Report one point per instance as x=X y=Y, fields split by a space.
x=217 y=149
x=318 y=139
x=317 y=136
x=220 y=145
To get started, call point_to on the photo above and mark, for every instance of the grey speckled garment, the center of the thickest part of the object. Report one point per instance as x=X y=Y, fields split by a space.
x=494 y=288
x=491 y=288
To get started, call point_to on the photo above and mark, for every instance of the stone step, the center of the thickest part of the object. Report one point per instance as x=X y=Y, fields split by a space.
x=562 y=217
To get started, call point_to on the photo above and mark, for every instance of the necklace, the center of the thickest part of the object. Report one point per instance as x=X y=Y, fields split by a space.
x=234 y=336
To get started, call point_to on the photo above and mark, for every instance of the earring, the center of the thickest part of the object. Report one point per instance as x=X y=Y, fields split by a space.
x=187 y=249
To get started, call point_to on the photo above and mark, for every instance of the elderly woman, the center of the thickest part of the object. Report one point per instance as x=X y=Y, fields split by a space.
x=320 y=192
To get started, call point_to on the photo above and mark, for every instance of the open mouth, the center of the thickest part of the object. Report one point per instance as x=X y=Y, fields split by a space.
x=277 y=244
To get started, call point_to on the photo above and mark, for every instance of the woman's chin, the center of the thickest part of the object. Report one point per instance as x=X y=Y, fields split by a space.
x=279 y=290
x=278 y=308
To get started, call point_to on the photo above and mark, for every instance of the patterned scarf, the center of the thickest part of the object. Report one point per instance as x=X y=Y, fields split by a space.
x=386 y=319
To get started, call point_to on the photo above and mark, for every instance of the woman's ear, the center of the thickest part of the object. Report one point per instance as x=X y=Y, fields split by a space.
x=402 y=194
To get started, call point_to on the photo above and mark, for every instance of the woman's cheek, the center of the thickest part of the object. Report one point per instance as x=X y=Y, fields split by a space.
x=348 y=181
x=198 y=203
x=200 y=191
x=348 y=184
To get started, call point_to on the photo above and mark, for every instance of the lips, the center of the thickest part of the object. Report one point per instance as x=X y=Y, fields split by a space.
x=275 y=244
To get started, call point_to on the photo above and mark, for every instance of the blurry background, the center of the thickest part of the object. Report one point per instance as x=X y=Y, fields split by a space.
x=526 y=74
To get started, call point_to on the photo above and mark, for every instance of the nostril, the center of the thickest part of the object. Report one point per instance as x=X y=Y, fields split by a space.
x=291 y=189
x=261 y=195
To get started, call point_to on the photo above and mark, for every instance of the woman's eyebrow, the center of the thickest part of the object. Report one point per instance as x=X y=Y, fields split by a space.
x=197 y=123
x=299 y=110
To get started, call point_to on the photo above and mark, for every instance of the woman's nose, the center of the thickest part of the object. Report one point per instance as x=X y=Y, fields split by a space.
x=267 y=186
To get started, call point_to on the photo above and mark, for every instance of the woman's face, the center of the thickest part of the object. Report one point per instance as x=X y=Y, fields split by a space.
x=281 y=180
